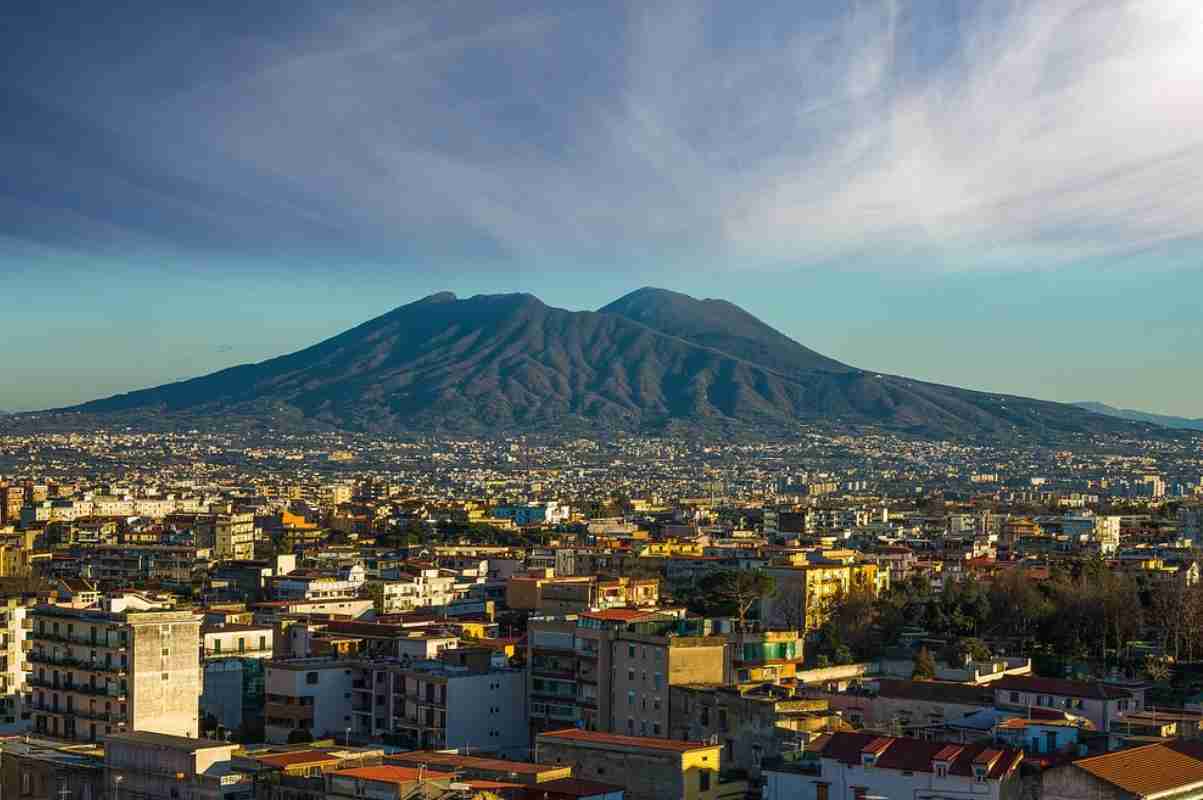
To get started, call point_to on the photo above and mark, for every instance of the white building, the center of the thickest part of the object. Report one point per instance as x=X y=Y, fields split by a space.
x=851 y=766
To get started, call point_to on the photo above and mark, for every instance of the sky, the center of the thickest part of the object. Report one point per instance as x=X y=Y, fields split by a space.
x=999 y=195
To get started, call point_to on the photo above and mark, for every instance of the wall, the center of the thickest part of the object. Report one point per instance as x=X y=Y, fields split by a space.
x=172 y=705
x=487 y=713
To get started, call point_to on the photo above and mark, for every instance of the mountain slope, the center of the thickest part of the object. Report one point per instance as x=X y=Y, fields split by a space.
x=1177 y=423
x=652 y=359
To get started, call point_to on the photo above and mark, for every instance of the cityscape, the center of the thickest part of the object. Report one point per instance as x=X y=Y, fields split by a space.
x=680 y=400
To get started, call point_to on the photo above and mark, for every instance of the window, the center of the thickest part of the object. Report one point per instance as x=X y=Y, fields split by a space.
x=631 y=675
x=630 y=698
x=217 y=645
x=630 y=651
x=941 y=770
x=311 y=677
x=979 y=774
x=820 y=791
x=704 y=780
x=1014 y=697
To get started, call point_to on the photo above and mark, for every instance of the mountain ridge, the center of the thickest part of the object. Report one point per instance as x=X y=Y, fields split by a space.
x=1133 y=415
x=650 y=360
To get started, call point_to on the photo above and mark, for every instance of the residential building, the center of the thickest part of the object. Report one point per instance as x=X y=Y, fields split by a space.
x=388 y=782
x=610 y=670
x=647 y=768
x=805 y=593
x=37 y=768
x=97 y=672
x=234 y=537
x=1098 y=702
x=848 y=766
x=460 y=701
x=14 y=668
x=142 y=764
x=1159 y=770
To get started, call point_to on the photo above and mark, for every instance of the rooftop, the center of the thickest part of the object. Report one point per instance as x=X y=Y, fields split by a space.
x=1150 y=770
x=164 y=740
x=617 y=740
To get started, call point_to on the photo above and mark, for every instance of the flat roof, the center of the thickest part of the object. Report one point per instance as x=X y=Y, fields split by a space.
x=618 y=740
x=166 y=740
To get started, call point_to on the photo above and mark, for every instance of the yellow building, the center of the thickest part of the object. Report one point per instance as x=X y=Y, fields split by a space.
x=805 y=593
x=648 y=768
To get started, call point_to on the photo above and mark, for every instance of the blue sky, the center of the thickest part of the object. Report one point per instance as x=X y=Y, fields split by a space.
x=1001 y=195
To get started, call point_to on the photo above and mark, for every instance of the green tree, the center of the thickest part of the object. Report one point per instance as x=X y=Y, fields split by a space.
x=925 y=666
x=738 y=590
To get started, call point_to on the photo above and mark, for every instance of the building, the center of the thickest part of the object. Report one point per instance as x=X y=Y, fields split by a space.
x=1101 y=703
x=13 y=663
x=843 y=766
x=752 y=725
x=1169 y=770
x=389 y=782
x=610 y=670
x=805 y=593
x=142 y=764
x=459 y=701
x=489 y=769
x=34 y=768
x=96 y=672
x=647 y=768
x=234 y=537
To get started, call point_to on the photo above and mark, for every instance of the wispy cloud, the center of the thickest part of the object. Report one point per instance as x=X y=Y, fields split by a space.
x=987 y=135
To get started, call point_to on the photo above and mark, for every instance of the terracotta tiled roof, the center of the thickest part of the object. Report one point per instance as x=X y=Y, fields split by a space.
x=644 y=742
x=935 y=692
x=389 y=774
x=619 y=615
x=283 y=760
x=1084 y=689
x=1149 y=770
x=915 y=755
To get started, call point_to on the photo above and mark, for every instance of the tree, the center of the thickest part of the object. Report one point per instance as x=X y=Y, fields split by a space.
x=300 y=736
x=925 y=666
x=739 y=590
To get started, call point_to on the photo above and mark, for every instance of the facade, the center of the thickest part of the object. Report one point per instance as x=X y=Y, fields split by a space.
x=13 y=663
x=1100 y=703
x=610 y=670
x=805 y=593
x=430 y=705
x=647 y=768
x=851 y=766
x=234 y=537
x=33 y=768
x=96 y=673
x=146 y=765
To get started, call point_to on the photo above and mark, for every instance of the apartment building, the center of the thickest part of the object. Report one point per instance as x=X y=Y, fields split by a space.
x=805 y=593
x=461 y=700
x=14 y=668
x=131 y=667
x=610 y=670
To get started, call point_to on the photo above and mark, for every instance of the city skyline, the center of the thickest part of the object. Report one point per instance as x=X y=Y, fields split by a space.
x=987 y=197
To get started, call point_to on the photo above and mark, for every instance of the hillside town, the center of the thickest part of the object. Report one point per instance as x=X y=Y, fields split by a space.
x=837 y=617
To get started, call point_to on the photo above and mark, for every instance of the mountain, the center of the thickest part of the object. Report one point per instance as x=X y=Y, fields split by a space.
x=649 y=361
x=1178 y=423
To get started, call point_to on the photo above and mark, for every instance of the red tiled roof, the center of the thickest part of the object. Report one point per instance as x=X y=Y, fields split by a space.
x=283 y=760
x=914 y=755
x=1058 y=686
x=390 y=774
x=1148 y=770
x=645 y=742
x=618 y=614
x=576 y=787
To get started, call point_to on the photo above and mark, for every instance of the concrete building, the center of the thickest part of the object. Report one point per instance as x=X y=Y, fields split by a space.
x=610 y=670
x=14 y=668
x=647 y=768
x=34 y=768
x=1100 y=703
x=234 y=537
x=843 y=766
x=152 y=765
x=459 y=701
x=98 y=672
